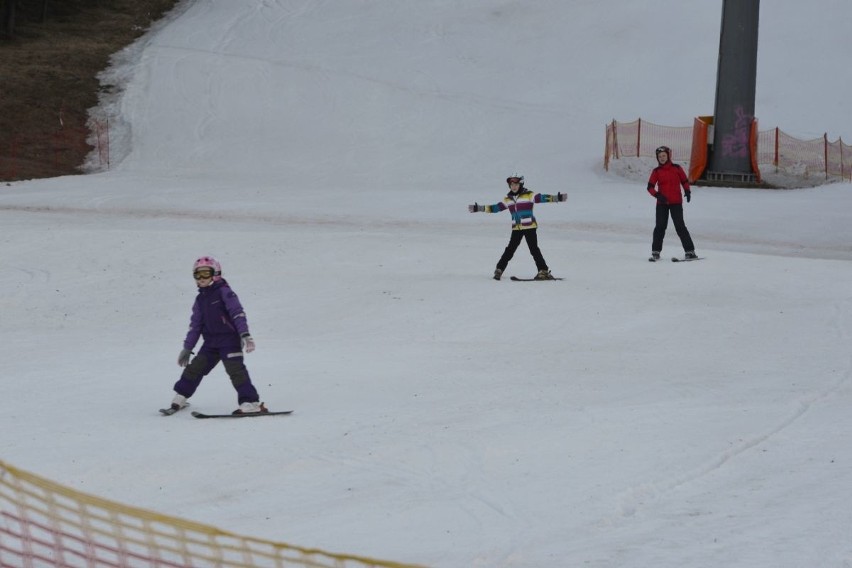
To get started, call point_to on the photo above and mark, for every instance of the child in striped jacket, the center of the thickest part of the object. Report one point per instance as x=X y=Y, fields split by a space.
x=519 y=201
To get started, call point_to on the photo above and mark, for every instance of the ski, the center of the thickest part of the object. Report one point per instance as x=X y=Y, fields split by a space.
x=249 y=415
x=516 y=279
x=676 y=259
x=169 y=411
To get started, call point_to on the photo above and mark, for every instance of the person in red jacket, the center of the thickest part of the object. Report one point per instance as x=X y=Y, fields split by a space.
x=665 y=184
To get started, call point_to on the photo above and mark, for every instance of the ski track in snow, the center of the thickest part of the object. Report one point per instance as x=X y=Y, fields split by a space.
x=578 y=229
x=645 y=495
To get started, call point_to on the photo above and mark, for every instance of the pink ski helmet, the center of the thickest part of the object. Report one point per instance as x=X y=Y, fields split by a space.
x=209 y=262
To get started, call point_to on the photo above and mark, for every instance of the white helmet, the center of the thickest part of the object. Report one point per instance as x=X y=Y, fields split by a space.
x=515 y=177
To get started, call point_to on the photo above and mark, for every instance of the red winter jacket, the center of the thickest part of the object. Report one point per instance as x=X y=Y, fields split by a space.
x=668 y=178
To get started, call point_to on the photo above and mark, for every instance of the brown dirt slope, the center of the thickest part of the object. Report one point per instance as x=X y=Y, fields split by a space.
x=48 y=80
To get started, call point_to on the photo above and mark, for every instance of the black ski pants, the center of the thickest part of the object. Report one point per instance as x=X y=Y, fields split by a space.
x=676 y=211
x=515 y=240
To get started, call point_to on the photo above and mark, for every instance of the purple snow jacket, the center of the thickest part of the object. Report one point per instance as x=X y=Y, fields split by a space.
x=218 y=316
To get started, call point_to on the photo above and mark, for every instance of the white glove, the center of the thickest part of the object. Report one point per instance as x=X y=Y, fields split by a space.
x=183 y=358
x=248 y=342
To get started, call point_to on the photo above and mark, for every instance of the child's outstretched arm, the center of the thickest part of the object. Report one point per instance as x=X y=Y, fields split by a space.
x=548 y=198
x=477 y=208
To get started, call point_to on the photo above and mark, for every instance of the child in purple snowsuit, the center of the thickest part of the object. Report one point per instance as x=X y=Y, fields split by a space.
x=218 y=318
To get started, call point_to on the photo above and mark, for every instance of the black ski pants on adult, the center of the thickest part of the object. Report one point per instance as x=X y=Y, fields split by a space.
x=532 y=243
x=676 y=211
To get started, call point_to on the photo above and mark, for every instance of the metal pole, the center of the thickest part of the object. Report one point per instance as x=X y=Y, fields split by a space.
x=735 y=91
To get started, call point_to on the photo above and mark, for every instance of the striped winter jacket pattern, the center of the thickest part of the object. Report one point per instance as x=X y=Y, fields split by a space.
x=520 y=206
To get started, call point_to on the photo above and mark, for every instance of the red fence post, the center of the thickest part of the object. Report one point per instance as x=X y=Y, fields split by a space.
x=777 y=146
x=639 y=139
x=615 y=139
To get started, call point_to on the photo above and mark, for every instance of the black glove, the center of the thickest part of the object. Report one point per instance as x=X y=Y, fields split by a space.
x=561 y=196
x=688 y=195
x=476 y=208
x=662 y=198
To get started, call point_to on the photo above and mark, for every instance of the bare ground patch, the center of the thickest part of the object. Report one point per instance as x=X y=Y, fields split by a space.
x=48 y=80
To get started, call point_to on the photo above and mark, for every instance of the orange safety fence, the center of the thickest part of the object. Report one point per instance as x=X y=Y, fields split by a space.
x=806 y=158
x=44 y=524
x=752 y=149
x=698 y=153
